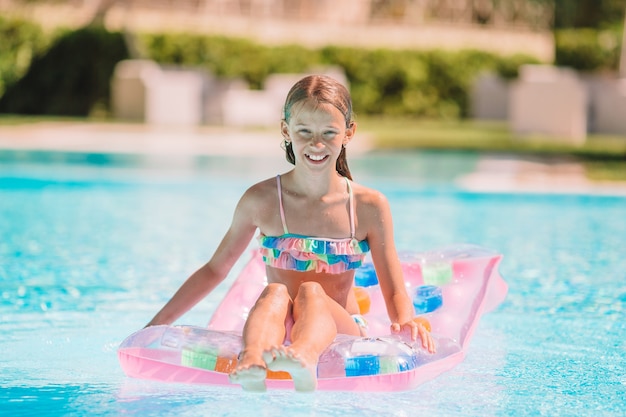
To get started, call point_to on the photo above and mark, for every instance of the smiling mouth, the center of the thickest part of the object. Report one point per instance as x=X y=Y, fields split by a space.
x=316 y=158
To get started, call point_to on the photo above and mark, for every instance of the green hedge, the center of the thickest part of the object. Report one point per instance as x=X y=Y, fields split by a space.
x=73 y=75
x=382 y=81
x=20 y=41
x=71 y=78
x=588 y=49
x=228 y=57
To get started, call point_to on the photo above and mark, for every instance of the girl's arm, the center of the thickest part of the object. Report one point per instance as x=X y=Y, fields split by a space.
x=205 y=279
x=389 y=271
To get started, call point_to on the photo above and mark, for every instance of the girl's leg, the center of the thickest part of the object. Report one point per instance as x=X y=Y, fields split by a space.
x=264 y=328
x=317 y=318
x=314 y=326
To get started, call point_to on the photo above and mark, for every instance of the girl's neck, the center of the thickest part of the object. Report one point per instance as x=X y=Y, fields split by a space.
x=315 y=185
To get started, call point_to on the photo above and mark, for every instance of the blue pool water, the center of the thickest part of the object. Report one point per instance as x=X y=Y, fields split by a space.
x=91 y=246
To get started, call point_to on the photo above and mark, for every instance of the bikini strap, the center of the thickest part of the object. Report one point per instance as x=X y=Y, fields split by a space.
x=351 y=199
x=280 y=204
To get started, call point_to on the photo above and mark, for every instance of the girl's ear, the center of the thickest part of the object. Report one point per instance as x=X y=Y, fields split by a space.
x=284 y=130
x=350 y=131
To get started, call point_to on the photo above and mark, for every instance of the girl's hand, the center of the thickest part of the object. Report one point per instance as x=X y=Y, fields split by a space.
x=416 y=328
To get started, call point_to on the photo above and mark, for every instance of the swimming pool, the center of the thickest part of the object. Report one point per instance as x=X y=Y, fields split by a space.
x=92 y=245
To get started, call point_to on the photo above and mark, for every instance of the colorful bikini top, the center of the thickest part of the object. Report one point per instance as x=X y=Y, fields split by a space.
x=303 y=253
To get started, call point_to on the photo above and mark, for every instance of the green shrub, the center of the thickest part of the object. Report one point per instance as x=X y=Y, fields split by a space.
x=588 y=49
x=20 y=41
x=70 y=78
x=228 y=57
x=74 y=75
x=418 y=83
x=509 y=68
x=382 y=81
x=377 y=78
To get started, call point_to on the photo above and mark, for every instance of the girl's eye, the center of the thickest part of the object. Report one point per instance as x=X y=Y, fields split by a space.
x=307 y=133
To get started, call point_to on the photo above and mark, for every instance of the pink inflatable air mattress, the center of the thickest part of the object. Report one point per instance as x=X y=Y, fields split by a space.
x=451 y=288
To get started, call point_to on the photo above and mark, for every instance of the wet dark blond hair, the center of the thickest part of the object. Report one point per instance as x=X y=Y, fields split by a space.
x=320 y=89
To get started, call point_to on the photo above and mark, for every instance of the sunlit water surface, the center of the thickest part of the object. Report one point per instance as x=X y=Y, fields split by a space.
x=91 y=246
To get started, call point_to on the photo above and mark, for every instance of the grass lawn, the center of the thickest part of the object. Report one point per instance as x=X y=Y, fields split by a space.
x=16 y=120
x=604 y=156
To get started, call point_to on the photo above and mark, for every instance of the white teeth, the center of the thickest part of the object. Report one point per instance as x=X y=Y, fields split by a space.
x=316 y=157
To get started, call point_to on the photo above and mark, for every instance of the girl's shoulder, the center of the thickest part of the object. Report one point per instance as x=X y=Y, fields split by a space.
x=263 y=191
x=264 y=185
x=257 y=203
x=368 y=197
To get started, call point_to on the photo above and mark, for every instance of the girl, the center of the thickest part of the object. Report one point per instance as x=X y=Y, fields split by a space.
x=315 y=227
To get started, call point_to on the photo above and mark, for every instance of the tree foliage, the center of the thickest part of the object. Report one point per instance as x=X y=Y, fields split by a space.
x=596 y=14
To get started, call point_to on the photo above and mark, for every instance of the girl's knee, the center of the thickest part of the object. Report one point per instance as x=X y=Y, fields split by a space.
x=275 y=290
x=272 y=297
x=310 y=289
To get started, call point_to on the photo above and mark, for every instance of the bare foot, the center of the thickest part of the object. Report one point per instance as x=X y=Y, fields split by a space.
x=303 y=372
x=250 y=374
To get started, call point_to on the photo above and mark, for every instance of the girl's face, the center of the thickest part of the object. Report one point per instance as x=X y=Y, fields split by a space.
x=317 y=133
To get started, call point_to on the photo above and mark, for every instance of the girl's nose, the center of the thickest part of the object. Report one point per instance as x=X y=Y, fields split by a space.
x=317 y=140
